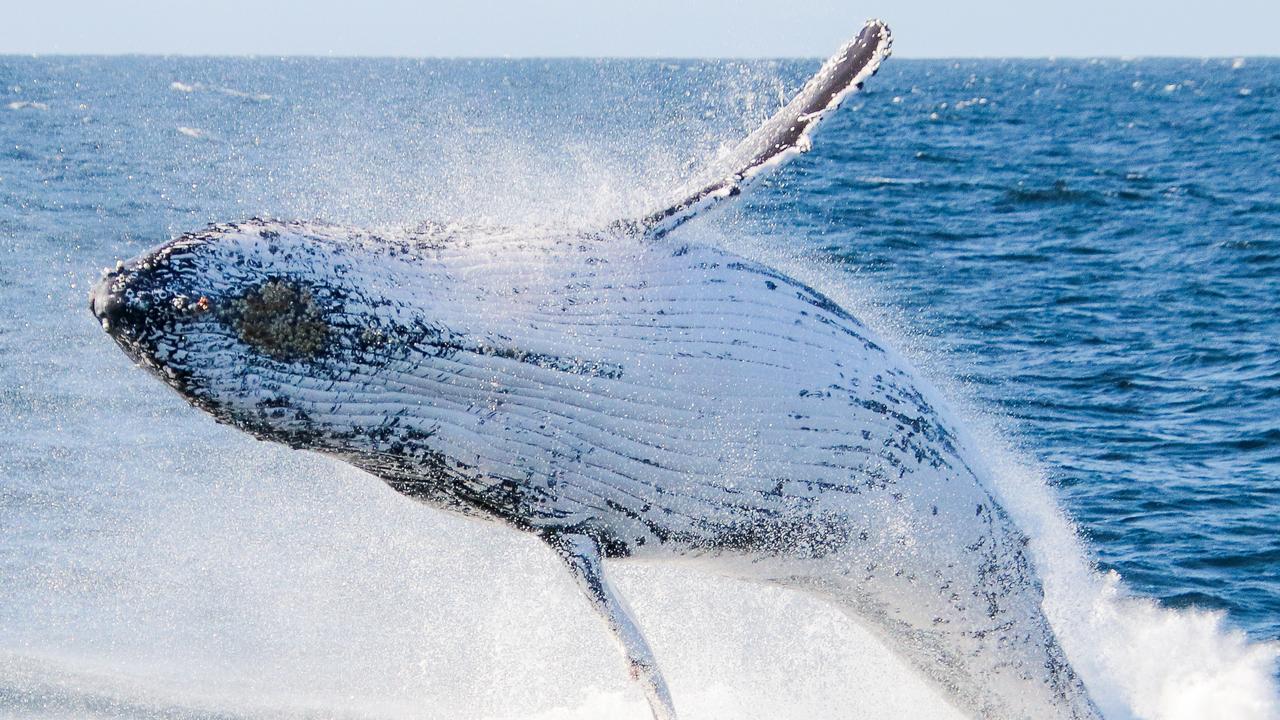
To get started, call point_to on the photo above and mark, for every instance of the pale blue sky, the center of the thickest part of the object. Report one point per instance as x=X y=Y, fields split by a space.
x=646 y=28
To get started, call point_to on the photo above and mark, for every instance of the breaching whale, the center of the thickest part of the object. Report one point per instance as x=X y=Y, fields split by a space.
x=622 y=393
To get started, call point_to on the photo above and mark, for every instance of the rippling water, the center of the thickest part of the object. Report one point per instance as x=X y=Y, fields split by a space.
x=1099 y=245
x=1086 y=253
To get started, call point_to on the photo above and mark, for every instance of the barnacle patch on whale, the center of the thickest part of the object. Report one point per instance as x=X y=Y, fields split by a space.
x=280 y=318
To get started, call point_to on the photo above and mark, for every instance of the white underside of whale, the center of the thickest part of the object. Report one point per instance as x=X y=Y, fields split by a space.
x=680 y=401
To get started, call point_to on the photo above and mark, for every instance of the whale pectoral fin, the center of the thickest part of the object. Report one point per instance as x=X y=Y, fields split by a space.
x=782 y=136
x=582 y=554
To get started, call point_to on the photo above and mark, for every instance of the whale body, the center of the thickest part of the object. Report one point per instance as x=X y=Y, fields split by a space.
x=621 y=393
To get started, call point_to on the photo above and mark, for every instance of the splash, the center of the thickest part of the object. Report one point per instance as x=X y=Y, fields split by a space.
x=1140 y=659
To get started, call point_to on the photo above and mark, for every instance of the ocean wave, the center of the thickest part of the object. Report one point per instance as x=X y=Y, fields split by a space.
x=189 y=88
x=255 y=96
x=1058 y=193
x=879 y=180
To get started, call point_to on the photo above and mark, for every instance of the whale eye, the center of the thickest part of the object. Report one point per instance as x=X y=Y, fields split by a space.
x=281 y=319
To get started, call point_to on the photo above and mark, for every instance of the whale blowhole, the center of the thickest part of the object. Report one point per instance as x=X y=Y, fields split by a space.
x=282 y=319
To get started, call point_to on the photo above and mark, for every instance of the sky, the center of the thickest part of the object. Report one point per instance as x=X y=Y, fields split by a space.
x=639 y=28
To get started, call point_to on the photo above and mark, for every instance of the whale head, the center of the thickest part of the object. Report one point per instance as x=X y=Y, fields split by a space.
x=285 y=330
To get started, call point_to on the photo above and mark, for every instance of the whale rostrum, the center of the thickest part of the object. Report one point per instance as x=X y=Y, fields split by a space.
x=622 y=393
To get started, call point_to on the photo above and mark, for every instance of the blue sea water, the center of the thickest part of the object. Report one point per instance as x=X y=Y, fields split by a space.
x=1087 y=251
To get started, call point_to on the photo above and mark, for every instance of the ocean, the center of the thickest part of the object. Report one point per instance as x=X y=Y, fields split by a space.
x=1084 y=255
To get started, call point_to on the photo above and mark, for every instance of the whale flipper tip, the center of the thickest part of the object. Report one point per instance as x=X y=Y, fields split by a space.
x=783 y=136
x=585 y=560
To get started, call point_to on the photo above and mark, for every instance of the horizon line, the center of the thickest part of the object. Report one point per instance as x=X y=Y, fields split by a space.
x=762 y=58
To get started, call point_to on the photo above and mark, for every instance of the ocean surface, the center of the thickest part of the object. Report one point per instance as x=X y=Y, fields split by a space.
x=1085 y=255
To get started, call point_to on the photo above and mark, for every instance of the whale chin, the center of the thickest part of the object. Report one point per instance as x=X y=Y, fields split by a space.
x=134 y=309
x=106 y=301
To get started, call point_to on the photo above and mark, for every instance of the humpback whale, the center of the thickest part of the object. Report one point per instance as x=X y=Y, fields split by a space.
x=621 y=393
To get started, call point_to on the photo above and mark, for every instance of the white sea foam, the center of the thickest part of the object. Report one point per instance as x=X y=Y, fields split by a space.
x=191 y=132
x=27 y=105
x=880 y=180
x=233 y=92
x=1139 y=659
x=256 y=96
